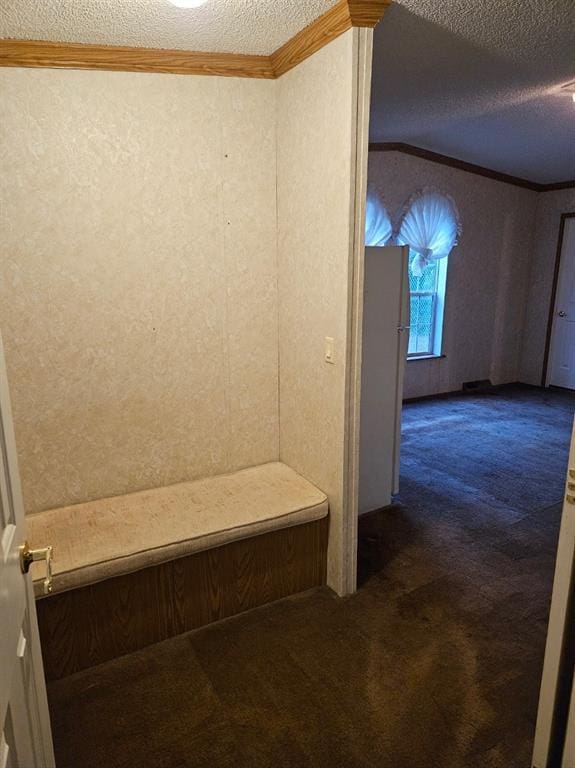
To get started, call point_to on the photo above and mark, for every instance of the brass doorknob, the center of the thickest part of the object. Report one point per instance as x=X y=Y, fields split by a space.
x=29 y=556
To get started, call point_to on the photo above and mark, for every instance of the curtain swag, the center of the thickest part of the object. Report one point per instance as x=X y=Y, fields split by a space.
x=378 y=229
x=429 y=225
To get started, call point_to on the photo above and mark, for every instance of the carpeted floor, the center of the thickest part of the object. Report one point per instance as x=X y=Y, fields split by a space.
x=434 y=663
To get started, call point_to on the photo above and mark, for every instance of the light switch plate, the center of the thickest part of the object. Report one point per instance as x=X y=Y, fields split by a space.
x=4 y=751
x=21 y=647
x=329 y=355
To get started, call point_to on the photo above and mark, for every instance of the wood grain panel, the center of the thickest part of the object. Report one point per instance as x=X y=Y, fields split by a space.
x=93 y=624
x=35 y=53
x=343 y=16
x=367 y=13
x=333 y=23
x=340 y=18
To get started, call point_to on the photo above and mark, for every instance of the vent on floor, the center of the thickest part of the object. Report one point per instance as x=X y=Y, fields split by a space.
x=479 y=385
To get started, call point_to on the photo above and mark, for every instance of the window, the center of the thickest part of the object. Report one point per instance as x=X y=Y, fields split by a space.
x=429 y=227
x=427 y=299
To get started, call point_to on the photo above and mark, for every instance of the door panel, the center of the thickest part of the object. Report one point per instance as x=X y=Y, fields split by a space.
x=403 y=338
x=562 y=352
x=384 y=351
x=563 y=368
x=549 y=733
x=25 y=738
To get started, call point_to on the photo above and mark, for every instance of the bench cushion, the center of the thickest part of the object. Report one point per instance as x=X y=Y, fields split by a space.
x=109 y=537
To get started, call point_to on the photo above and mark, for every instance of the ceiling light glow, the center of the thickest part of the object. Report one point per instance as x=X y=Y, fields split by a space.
x=187 y=3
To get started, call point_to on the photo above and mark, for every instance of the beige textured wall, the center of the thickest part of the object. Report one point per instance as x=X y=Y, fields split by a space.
x=488 y=275
x=316 y=123
x=550 y=206
x=138 y=278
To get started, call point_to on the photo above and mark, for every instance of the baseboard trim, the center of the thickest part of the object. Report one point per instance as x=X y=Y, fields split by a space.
x=376 y=511
x=493 y=389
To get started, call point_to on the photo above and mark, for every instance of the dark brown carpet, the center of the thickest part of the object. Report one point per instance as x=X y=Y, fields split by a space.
x=434 y=663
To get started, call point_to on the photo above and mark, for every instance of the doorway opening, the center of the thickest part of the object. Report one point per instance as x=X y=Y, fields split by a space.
x=465 y=550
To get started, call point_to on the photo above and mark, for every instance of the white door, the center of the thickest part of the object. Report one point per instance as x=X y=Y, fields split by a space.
x=562 y=350
x=550 y=733
x=25 y=738
x=384 y=350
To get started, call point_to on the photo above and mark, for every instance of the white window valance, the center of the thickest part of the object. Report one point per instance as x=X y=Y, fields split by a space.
x=378 y=229
x=430 y=226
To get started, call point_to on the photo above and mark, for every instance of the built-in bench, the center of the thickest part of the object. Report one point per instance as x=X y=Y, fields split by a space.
x=131 y=570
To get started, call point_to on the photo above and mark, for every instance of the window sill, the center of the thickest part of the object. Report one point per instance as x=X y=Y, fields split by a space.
x=425 y=357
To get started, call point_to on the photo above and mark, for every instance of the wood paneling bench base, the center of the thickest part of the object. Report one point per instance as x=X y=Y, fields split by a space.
x=132 y=570
x=89 y=625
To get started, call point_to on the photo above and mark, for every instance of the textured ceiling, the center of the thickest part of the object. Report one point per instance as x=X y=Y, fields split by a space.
x=234 y=26
x=479 y=81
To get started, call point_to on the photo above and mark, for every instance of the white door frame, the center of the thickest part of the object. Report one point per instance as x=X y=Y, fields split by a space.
x=546 y=374
x=362 y=94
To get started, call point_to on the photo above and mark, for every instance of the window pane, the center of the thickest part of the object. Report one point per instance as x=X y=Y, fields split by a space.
x=421 y=324
x=427 y=281
x=412 y=347
x=425 y=309
x=413 y=310
x=424 y=339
